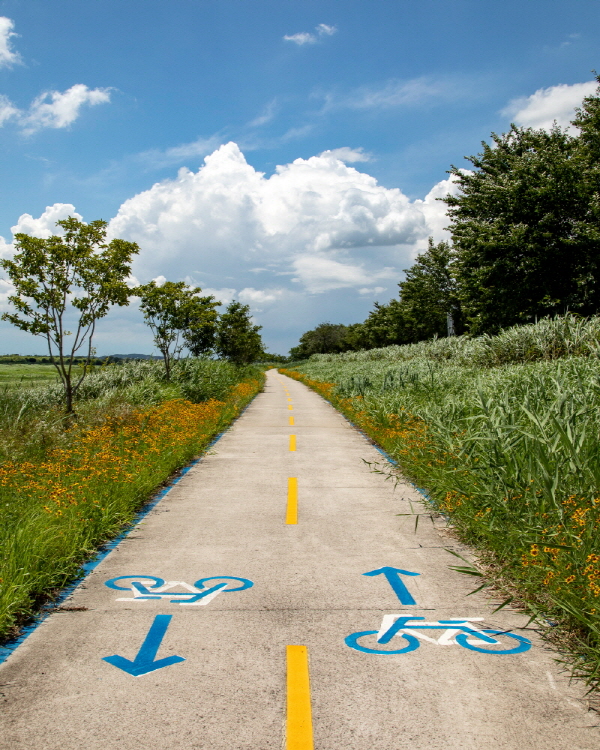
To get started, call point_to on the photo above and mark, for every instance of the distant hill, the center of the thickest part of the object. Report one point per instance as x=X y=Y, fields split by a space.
x=131 y=356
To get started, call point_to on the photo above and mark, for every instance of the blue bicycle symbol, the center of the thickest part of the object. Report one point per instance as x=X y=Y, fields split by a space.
x=147 y=588
x=460 y=632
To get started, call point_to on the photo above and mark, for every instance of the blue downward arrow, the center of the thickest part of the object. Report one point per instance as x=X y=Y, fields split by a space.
x=393 y=577
x=144 y=661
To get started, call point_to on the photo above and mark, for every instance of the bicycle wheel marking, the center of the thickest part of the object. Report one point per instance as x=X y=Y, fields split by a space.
x=299 y=731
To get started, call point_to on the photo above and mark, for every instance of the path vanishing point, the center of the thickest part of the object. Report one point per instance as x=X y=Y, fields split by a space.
x=275 y=599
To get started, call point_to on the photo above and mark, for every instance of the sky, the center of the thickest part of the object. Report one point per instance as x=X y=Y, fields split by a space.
x=285 y=154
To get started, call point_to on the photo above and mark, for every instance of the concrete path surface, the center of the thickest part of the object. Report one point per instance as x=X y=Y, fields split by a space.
x=239 y=615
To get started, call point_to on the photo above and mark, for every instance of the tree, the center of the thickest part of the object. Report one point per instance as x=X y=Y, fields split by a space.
x=525 y=227
x=78 y=274
x=385 y=325
x=178 y=317
x=200 y=325
x=429 y=294
x=238 y=340
x=326 y=338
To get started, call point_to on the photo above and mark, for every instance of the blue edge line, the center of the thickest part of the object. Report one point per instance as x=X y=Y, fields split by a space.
x=7 y=648
x=385 y=454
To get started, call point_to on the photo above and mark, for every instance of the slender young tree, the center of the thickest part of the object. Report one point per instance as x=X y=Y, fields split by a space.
x=178 y=317
x=68 y=281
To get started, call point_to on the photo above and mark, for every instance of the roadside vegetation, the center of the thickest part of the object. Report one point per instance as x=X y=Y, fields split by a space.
x=79 y=457
x=67 y=486
x=503 y=432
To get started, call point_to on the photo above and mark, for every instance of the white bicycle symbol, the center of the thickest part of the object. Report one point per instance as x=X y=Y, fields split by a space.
x=458 y=631
x=148 y=588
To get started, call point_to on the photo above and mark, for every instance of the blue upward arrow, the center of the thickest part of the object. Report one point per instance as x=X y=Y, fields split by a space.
x=144 y=661
x=397 y=584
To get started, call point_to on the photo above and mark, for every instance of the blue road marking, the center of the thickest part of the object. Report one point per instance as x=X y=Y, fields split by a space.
x=246 y=584
x=189 y=597
x=397 y=584
x=158 y=582
x=144 y=661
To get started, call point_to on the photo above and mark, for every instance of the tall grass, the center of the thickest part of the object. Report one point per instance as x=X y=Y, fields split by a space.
x=511 y=454
x=550 y=339
x=65 y=488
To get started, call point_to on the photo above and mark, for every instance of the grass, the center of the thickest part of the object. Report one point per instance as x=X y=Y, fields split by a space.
x=65 y=488
x=510 y=453
x=26 y=375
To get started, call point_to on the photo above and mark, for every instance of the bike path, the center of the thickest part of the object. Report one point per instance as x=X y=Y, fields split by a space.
x=290 y=584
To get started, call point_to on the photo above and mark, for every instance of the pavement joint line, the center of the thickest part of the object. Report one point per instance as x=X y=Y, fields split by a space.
x=299 y=730
x=291 y=517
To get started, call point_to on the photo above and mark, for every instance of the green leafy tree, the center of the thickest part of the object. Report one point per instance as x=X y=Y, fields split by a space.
x=68 y=281
x=200 y=324
x=385 y=325
x=326 y=338
x=178 y=317
x=429 y=294
x=238 y=340
x=525 y=226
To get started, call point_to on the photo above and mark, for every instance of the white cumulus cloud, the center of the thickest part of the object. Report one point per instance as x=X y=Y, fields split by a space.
x=6 y=290
x=42 y=227
x=317 y=239
x=227 y=218
x=320 y=274
x=8 y=56
x=304 y=37
x=55 y=109
x=7 y=110
x=347 y=155
x=45 y=225
x=545 y=106
x=324 y=30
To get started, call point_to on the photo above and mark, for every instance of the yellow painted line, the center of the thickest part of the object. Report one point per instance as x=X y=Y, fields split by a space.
x=291 y=421
x=292 y=442
x=299 y=731
x=290 y=407
x=289 y=399
x=291 y=517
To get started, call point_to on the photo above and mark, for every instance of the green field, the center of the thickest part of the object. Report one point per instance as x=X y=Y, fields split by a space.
x=26 y=375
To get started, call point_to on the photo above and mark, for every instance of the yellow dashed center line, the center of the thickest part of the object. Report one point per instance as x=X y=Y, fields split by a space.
x=291 y=517
x=299 y=732
x=291 y=421
x=292 y=442
x=290 y=407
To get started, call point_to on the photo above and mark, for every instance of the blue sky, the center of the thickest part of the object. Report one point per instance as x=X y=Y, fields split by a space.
x=328 y=127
